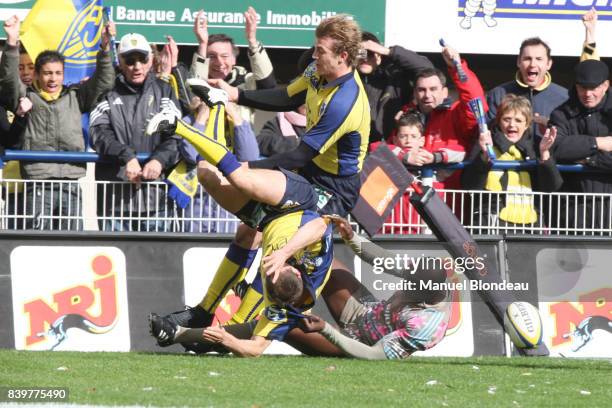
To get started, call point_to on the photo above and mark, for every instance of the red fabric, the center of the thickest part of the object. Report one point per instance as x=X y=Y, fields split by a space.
x=454 y=128
x=449 y=129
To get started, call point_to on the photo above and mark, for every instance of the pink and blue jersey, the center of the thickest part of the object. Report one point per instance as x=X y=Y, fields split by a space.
x=403 y=331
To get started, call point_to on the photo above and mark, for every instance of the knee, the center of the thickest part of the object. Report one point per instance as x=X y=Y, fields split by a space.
x=208 y=176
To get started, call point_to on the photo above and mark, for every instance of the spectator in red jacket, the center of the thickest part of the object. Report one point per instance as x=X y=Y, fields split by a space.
x=450 y=127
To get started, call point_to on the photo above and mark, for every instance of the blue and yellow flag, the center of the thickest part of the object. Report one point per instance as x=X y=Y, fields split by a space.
x=72 y=27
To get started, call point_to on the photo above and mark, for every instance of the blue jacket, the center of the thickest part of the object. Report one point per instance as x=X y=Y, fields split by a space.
x=543 y=100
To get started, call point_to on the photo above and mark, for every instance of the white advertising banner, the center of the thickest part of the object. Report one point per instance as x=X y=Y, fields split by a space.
x=459 y=338
x=200 y=264
x=579 y=324
x=495 y=26
x=70 y=298
x=199 y=267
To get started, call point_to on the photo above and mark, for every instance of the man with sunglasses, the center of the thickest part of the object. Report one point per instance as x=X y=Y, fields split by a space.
x=117 y=132
x=387 y=74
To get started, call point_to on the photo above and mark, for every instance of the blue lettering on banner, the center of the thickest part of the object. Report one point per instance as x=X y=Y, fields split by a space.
x=540 y=9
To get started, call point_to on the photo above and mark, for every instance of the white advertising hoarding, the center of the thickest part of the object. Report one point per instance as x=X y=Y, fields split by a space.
x=419 y=24
x=70 y=298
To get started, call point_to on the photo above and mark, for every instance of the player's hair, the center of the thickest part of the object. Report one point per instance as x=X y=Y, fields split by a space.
x=346 y=35
x=534 y=41
x=410 y=119
x=215 y=38
x=429 y=72
x=515 y=103
x=45 y=57
x=287 y=289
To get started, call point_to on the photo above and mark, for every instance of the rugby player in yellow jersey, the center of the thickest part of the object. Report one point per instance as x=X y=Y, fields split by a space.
x=288 y=201
x=287 y=294
x=330 y=155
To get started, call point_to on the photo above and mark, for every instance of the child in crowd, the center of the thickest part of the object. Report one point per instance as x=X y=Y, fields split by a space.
x=406 y=142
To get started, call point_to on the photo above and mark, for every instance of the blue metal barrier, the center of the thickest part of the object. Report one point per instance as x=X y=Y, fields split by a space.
x=66 y=157
x=91 y=157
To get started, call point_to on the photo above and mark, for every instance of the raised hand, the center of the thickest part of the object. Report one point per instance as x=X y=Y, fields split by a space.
x=169 y=56
x=173 y=50
x=451 y=56
x=25 y=105
x=546 y=143
x=109 y=31
x=200 y=29
x=250 y=26
x=589 y=19
x=373 y=46
x=11 y=28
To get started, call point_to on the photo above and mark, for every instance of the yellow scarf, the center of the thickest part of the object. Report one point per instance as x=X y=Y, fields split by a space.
x=519 y=206
x=183 y=181
x=544 y=85
x=49 y=97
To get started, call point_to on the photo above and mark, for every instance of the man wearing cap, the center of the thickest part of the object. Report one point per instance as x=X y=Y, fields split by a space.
x=584 y=129
x=117 y=131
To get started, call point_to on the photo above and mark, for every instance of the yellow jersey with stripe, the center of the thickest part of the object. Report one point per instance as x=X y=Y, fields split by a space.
x=337 y=120
x=313 y=262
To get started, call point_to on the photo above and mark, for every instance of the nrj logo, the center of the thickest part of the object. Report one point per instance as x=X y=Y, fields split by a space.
x=575 y=322
x=71 y=308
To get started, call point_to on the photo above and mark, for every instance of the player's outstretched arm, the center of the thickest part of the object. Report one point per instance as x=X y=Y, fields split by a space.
x=253 y=347
x=363 y=247
x=349 y=346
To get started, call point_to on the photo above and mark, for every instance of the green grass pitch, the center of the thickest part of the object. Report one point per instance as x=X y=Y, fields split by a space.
x=271 y=381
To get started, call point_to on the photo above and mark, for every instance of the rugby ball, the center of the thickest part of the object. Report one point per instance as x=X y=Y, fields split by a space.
x=523 y=324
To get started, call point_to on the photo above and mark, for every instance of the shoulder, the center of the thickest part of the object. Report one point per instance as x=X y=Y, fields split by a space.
x=563 y=112
x=557 y=90
x=503 y=89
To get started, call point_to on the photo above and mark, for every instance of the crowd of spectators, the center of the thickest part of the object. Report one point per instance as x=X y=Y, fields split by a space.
x=530 y=117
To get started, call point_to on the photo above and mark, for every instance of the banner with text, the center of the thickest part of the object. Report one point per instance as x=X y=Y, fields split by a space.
x=282 y=23
x=495 y=26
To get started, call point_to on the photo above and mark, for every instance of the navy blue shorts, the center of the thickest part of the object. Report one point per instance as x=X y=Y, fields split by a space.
x=299 y=196
x=337 y=194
